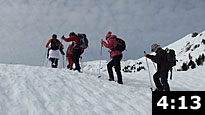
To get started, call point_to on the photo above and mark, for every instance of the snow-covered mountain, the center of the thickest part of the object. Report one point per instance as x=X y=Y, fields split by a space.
x=190 y=47
x=35 y=90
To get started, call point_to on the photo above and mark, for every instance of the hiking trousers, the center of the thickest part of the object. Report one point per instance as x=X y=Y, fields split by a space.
x=116 y=63
x=70 y=62
x=161 y=80
x=76 y=56
x=54 y=62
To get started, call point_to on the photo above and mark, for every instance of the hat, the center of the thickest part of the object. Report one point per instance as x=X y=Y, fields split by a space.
x=154 y=47
x=54 y=36
x=108 y=34
x=72 y=34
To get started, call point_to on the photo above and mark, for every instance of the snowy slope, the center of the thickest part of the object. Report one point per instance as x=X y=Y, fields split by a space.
x=27 y=90
x=189 y=46
x=35 y=90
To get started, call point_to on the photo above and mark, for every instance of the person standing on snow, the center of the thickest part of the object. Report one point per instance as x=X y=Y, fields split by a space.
x=161 y=76
x=53 y=51
x=69 y=56
x=115 y=55
x=77 y=51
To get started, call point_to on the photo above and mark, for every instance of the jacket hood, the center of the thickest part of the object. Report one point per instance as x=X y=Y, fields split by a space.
x=113 y=36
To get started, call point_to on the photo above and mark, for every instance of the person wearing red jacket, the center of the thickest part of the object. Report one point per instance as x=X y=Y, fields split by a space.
x=116 y=57
x=77 y=51
x=53 y=51
x=69 y=56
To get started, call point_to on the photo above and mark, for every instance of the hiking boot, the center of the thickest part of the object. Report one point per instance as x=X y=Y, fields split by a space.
x=158 y=90
x=68 y=67
x=111 y=79
x=78 y=69
x=120 y=82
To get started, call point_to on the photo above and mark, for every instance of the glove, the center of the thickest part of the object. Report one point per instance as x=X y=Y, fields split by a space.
x=62 y=47
x=62 y=37
x=102 y=41
x=145 y=54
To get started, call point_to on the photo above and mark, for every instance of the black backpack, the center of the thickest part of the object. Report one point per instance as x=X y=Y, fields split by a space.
x=55 y=44
x=171 y=57
x=83 y=41
x=121 y=46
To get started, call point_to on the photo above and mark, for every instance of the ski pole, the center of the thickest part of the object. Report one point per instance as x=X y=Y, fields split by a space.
x=149 y=73
x=100 y=59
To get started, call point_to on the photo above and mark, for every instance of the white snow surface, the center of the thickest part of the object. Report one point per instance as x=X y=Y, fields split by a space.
x=37 y=90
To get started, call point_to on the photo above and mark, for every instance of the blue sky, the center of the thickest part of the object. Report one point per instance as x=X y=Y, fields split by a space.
x=27 y=25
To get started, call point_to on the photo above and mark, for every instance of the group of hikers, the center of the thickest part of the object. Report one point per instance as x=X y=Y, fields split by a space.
x=74 y=51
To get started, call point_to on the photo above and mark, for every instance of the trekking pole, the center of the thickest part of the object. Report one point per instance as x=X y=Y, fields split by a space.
x=81 y=60
x=154 y=66
x=63 y=55
x=149 y=73
x=48 y=60
x=100 y=59
x=44 y=58
x=63 y=62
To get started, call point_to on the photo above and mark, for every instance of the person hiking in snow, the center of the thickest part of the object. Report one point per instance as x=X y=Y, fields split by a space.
x=69 y=55
x=77 y=51
x=53 y=51
x=161 y=76
x=115 y=55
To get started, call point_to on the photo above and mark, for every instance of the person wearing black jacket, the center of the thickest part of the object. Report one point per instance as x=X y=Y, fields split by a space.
x=161 y=76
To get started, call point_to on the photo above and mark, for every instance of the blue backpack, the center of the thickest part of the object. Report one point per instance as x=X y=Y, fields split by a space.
x=83 y=41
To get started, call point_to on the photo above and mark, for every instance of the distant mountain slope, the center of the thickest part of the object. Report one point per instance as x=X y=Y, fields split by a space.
x=185 y=48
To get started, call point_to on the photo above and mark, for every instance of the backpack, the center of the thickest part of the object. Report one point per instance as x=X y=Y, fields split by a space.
x=83 y=41
x=171 y=57
x=55 y=44
x=121 y=46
